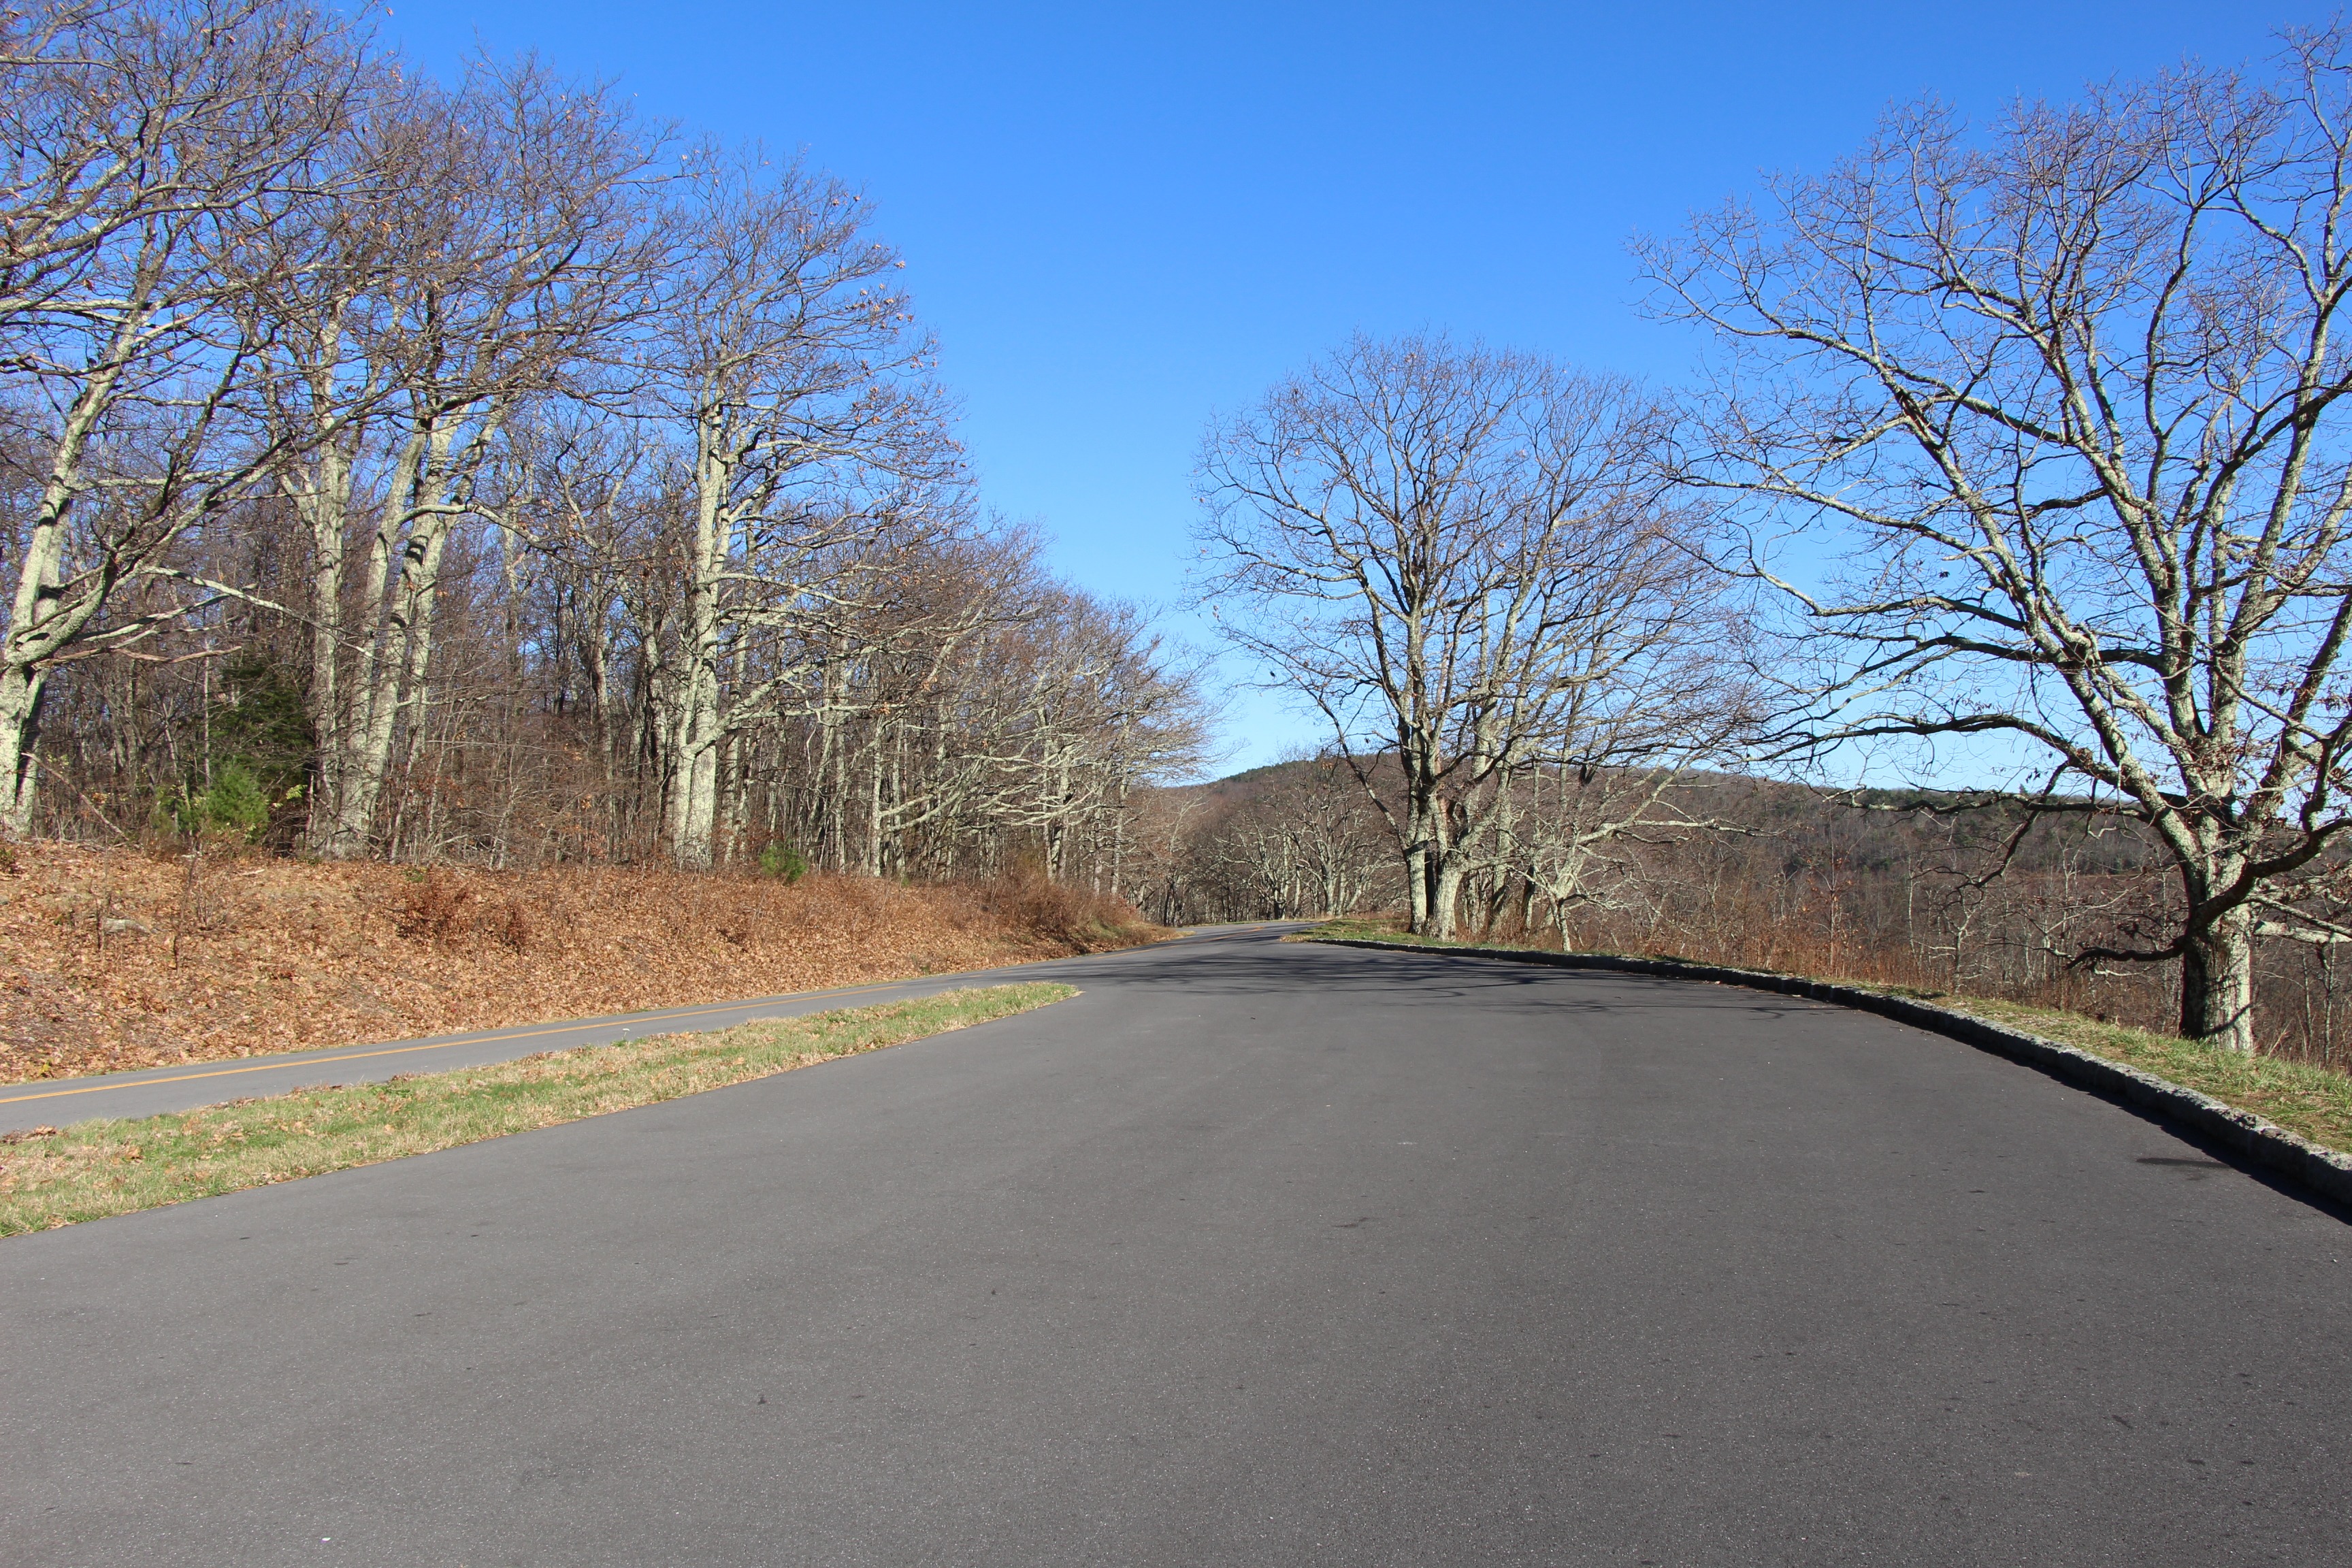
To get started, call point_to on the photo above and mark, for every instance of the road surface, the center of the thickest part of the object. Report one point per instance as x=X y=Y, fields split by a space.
x=1253 y=1253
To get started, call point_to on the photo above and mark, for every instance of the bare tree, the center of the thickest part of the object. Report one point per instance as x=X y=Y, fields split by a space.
x=156 y=156
x=1462 y=558
x=575 y=502
x=522 y=518
x=2071 y=396
x=1579 y=842
x=496 y=247
x=784 y=356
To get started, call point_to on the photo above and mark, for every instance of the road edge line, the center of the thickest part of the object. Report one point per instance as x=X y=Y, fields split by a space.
x=2324 y=1171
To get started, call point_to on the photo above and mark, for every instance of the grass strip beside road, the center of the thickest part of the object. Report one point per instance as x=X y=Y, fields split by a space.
x=105 y=1166
x=2314 y=1103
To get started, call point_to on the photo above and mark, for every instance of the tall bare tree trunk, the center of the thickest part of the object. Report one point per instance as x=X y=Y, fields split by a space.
x=397 y=637
x=39 y=625
x=694 y=799
x=2217 y=982
x=324 y=506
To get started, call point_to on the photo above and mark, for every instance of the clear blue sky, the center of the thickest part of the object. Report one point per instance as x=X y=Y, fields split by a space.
x=1120 y=218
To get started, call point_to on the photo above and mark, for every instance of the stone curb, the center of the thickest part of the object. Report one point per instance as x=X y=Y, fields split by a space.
x=2266 y=1144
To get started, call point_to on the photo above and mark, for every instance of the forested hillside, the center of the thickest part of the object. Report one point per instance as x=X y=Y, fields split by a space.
x=1916 y=888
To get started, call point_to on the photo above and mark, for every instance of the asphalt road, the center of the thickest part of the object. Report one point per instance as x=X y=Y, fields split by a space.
x=1253 y=1253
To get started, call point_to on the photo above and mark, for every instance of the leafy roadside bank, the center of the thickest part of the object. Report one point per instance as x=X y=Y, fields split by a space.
x=113 y=960
x=2312 y=1102
x=101 y=1167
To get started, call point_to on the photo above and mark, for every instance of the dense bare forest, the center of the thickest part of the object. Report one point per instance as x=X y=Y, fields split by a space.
x=476 y=472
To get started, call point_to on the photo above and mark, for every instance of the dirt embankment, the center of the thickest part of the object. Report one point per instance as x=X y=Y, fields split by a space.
x=111 y=960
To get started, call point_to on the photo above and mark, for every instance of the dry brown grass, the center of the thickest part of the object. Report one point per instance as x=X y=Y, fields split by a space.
x=113 y=959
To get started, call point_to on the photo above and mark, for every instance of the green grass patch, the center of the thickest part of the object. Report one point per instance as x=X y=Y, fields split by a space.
x=102 y=1167
x=1368 y=928
x=2313 y=1101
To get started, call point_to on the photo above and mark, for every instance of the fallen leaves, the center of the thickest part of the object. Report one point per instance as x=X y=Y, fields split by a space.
x=278 y=955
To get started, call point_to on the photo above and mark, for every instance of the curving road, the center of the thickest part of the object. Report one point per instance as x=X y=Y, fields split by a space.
x=1253 y=1253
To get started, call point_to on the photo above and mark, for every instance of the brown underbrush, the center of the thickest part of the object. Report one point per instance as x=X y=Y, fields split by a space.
x=117 y=959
